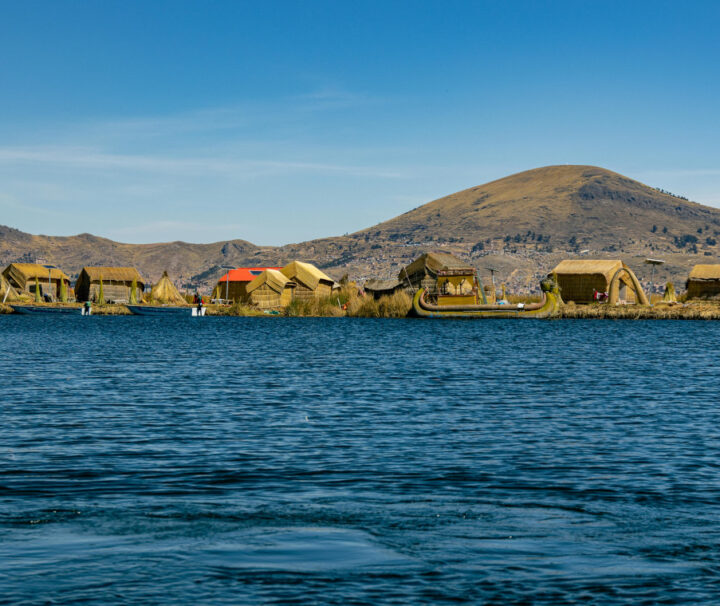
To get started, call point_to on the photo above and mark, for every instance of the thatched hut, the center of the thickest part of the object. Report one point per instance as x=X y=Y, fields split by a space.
x=588 y=280
x=233 y=285
x=7 y=292
x=423 y=272
x=453 y=280
x=164 y=291
x=270 y=290
x=381 y=288
x=117 y=283
x=24 y=276
x=310 y=282
x=703 y=282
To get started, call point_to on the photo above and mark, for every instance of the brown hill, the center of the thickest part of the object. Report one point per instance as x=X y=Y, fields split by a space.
x=521 y=224
x=595 y=207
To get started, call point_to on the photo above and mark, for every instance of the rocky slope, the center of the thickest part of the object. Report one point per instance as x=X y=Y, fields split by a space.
x=521 y=225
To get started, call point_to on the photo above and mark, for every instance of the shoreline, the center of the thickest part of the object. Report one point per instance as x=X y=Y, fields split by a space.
x=692 y=310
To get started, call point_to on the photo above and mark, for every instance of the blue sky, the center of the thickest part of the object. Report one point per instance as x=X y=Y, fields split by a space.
x=278 y=122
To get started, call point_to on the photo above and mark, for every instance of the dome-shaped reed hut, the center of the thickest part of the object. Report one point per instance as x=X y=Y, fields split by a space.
x=117 y=284
x=310 y=282
x=582 y=280
x=270 y=290
x=164 y=291
x=704 y=281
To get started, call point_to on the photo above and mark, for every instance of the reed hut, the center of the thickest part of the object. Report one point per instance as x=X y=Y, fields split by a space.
x=233 y=285
x=7 y=292
x=588 y=280
x=270 y=290
x=381 y=288
x=310 y=282
x=164 y=291
x=424 y=271
x=451 y=279
x=117 y=284
x=703 y=282
x=24 y=276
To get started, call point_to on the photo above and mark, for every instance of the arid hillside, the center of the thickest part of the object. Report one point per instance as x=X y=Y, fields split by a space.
x=521 y=225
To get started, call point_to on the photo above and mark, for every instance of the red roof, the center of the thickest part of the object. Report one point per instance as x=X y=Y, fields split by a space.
x=245 y=274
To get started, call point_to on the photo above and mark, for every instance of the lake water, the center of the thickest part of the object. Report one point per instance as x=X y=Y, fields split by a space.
x=338 y=461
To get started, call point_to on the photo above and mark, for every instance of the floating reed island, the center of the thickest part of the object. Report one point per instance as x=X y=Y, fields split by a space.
x=435 y=285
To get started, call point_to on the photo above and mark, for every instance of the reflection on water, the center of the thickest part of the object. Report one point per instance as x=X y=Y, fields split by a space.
x=271 y=460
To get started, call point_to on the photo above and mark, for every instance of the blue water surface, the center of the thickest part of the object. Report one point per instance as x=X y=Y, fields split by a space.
x=337 y=461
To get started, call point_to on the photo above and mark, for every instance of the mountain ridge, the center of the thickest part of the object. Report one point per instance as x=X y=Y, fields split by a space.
x=522 y=224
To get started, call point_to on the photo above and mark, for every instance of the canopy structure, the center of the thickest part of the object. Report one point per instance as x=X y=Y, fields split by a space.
x=580 y=280
x=704 y=281
x=164 y=291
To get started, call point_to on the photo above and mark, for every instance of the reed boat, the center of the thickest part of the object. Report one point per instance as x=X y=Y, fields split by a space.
x=41 y=309
x=548 y=307
x=160 y=310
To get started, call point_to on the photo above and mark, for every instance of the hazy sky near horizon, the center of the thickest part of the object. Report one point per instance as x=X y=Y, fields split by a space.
x=278 y=122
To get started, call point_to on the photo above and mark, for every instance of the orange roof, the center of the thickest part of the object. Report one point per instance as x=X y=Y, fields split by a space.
x=244 y=274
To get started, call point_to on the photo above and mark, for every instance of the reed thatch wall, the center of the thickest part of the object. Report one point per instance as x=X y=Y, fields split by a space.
x=704 y=281
x=233 y=290
x=265 y=297
x=271 y=289
x=117 y=283
x=309 y=280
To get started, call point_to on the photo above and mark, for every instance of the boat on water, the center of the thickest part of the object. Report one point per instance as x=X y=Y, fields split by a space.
x=41 y=309
x=548 y=306
x=160 y=310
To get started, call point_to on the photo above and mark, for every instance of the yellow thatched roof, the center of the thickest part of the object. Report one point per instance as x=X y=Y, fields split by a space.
x=705 y=272
x=30 y=271
x=272 y=277
x=603 y=267
x=307 y=274
x=435 y=262
x=117 y=274
x=164 y=291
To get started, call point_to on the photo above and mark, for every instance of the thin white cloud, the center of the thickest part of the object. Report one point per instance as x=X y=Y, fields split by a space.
x=93 y=159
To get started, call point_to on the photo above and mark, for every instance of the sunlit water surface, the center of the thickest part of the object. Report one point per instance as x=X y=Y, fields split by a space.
x=271 y=460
